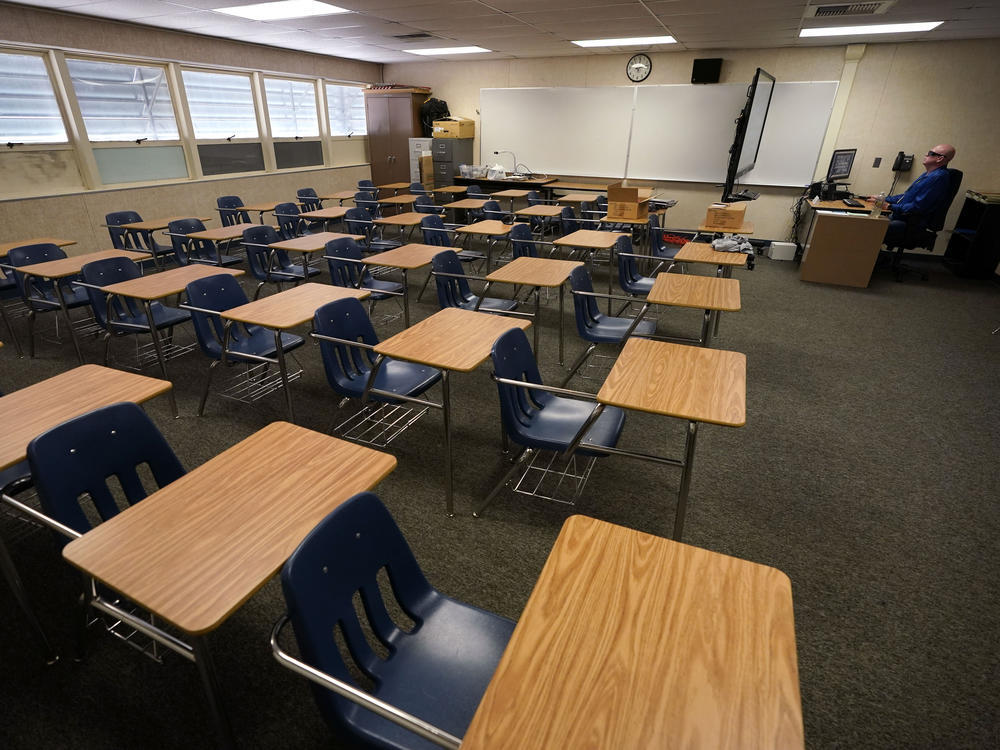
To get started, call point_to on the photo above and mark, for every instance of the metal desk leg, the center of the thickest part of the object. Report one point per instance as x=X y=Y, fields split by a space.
x=706 y=327
x=206 y=668
x=682 y=492
x=406 y=300
x=158 y=345
x=534 y=323
x=449 y=487
x=724 y=272
x=14 y=581
x=69 y=323
x=611 y=258
x=283 y=369
x=562 y=296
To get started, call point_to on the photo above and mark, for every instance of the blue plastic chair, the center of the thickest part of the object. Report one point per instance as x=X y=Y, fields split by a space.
x=229 y=210
x=417 y=188
x=343 y=257
x=436 y=670
x=271 y=266
x=436 y=233
x=453 y=287
x=536 y=419
x=424 y=204
x=492 y=211
x=358 y=220
x=631 y=280
x=39 y=295
x=134 y=239
x=290 y=223
x=8 y=290
x=209 y=296
x=124 y=316
x=657 y=245
x=540 y=225
x=366 y=200
x=309 y=199
x=522 y=242
x=368 y=186
x=188 y=250
x=592 y=325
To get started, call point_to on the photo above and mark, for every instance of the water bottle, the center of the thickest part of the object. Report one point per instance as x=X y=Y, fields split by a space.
x=877 y=205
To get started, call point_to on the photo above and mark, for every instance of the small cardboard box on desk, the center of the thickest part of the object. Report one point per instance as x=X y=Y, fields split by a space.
x=454 y=127
x=726 y=215
x=627 y=202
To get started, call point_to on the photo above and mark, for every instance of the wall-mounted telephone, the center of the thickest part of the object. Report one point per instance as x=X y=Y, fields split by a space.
x=903 y=162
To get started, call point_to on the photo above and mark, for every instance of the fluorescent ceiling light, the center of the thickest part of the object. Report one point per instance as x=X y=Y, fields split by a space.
x=882 y=28
x=448 y=51
x=281 y=10
x=626 y=42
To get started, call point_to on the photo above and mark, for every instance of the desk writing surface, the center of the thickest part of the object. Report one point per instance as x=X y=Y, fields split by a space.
x=340 y=195
x=409 y=256
x=259 y=207
x=407 y=219
x=195 y=550
x=491 y=227
x=745 y=228
x=541 y=209
x=702 y=252
x=292 y=307
x=511 y=194
x=63 y=267
x=310 y=243
x=691 y=290
x=467 y=203
x=546 y=272
x=839 y=205
x=452 y=189
x=165 y=283
x=221 y=234
x=676 y=380
x=334 y=212
x=152 y=225
x=450 y=339
x=565 y=185
x=398 y=199
x=6 y=247
x=589 y=238
x=394 y=186
x=578 y=197
x=30 y=411
x=632 y=642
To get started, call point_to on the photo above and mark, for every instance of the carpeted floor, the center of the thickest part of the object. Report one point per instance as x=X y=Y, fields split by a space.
x=867 y=472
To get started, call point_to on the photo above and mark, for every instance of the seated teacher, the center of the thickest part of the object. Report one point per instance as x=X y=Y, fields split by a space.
x=912 y=209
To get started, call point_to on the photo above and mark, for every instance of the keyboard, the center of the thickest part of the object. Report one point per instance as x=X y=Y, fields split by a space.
x=853 y=203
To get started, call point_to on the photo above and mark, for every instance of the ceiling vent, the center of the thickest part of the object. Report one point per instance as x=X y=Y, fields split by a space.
x=848 y=9
x=418 y=35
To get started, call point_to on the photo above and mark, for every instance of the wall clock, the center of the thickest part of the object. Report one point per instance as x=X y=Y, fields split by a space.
x=639 y=67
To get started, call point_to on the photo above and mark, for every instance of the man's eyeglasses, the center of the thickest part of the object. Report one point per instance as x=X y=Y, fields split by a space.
x=935 y=153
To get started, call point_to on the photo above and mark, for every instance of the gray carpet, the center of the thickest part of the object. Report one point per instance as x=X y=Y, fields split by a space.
x=867 y=472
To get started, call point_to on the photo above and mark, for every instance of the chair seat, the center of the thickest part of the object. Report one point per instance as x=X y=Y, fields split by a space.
x=73 y=296
x=555 y=425
x=450 y=632
x=640 y=286
x=163 y=317
x=612 y=330
x=395 y=376
x=379 y=287
x=260 y=343
x=489 y=304
x=287 y=273
x=470 y=256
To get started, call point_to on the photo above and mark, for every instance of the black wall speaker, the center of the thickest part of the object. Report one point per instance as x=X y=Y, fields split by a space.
x=706 y=70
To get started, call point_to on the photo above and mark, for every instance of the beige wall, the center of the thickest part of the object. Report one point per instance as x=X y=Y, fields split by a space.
x=904 y=97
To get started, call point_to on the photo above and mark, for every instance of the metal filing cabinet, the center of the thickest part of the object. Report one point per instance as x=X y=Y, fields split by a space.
x=417 y=147
x=448 y=154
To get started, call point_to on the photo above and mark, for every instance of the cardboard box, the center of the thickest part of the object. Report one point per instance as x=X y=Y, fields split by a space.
x=627 y=202
x=427 y=170
x=726 y=215
x=455 y=127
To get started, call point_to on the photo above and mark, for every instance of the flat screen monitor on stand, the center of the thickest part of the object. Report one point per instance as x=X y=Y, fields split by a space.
x=749 y=129
x=839 y=170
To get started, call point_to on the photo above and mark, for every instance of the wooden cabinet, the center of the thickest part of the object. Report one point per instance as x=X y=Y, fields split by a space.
x=393 y=118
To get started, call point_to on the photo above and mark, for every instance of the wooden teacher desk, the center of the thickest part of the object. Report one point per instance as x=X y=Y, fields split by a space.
x=633 y=642
x=842 y=248
x=194 y=551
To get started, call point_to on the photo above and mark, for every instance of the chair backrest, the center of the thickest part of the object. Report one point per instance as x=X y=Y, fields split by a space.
x=367 y=201
x=628 y=269
x=340 y=558
x=368 y=186
x=513 y=360
x=27 y=255
x=433 y=229
x=259 y=257
x=567 y=221
x=309 y=199
x=492 y=210
x=343 y=270
x=585 y=307
x=182 y=247
x=935 y=222
x=358 y=221
x=474 y=191
x=290 y=224
x=452 y=290
x=124 y=239
x=229 y=212
x=424 y=204
x=105 y=272
x=219 y=293
x=533 y=198
x=521 y=241
x=416 y=188
x=78 y=457
x=347 y=367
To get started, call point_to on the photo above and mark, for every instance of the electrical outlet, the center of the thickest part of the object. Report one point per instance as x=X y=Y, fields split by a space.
x=878 y=162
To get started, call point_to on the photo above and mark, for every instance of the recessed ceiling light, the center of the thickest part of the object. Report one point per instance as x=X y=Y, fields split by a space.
x=448 y=51
x=282 y=9
x=626 y=42
x=882 y=28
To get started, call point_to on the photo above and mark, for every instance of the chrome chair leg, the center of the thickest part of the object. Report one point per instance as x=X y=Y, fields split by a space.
x=10 y=331
x=515 y=465
x=578 y=364
x=208 y=384
x=31 y=333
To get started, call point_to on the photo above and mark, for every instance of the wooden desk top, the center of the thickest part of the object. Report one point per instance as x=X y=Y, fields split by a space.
x=340 y=195
x=165 y=283
x=511 y=194
x=195 y=550
x=467 y=203
x=410 y=256
x=455 y=189
x=450 y=339
x=398 y=199
x=292 y=307
x=31 y=411
x=310 y=243
x=152 y=225
x=746 y=228
x=261 y=207
x=577 y=197
x=839 y=205
x=675 y=380
x=634 y=641
x=60 y=269
x=6 y=247
x=541 y=209
x=491 y=227
x=590 y=238
x=221 y=234
x=408 y=219
x=394 y=186
x=616 y=220
x=690 y=290
x=547 y=272
x=702 y=252
x=565 y=185
x=334 y=212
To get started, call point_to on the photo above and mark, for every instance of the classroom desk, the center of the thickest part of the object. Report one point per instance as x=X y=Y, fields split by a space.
x=405 y=258
x=464 y=205
x=577 y=197
x=450 y=189
x=512 y=194
x=842 y=248
x=261 y=208
x=6 y=247
x=398 y=201
x=312 y=243
x=340 y=195
x=630 y=641
x=194 y=551
x=708 y=293
x=450 y=339
x=55 y=270
x=537 y=273
x=326 y=215
x=702 y=252
x=409 y=219
x=592 y=239
x=527 y=183
x=280 y=312
x=30 y=411
x=395 y=187
x=492 y=229
x=745 y=228
x=164 y=284
x=223 y=234
x=675 y=380
x=540 y=209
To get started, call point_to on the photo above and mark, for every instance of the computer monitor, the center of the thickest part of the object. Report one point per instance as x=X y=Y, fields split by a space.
x=840 y=164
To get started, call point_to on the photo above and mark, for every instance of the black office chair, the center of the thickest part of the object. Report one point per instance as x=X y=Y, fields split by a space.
x=924 y=237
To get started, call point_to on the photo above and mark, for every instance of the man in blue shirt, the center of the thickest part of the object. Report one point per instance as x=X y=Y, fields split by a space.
x=912 y=209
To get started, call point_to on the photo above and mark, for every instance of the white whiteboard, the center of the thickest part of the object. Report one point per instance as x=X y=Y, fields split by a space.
x=678 y=132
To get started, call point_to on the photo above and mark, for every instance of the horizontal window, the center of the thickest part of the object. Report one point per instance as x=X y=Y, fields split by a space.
x=29 y=112
x=346 y=106
x=221 y=105
x=291 y=107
